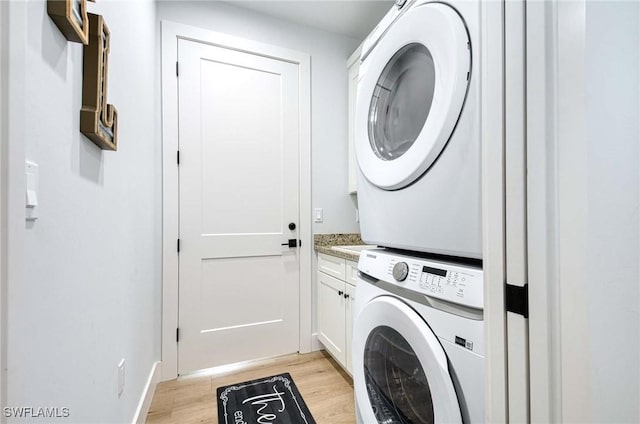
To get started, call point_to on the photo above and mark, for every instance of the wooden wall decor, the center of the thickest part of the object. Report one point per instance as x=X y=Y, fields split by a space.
x=98 y=120
x=70 y=16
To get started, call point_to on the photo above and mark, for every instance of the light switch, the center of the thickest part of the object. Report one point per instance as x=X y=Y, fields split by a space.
x=32 y=198
x=31 y=201
x=317 y=215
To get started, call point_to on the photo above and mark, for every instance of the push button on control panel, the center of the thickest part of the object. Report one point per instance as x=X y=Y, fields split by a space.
x=440 y=281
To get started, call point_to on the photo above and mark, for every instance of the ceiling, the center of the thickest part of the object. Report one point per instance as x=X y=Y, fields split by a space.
x=352 y=18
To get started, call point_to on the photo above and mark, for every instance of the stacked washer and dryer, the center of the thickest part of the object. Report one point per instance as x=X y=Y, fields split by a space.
x=418 y=341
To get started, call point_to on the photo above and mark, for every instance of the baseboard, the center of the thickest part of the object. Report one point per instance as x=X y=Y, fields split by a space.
x=315 y=343
x=147 y=394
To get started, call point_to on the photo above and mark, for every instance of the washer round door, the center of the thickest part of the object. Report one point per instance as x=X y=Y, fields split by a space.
x=411 y=95
x=400 y=370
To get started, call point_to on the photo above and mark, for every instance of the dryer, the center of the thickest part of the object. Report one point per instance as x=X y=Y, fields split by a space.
x=418 y=346
x=417 y=130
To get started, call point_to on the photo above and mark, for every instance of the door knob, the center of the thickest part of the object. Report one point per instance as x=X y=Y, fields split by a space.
x=292 y=226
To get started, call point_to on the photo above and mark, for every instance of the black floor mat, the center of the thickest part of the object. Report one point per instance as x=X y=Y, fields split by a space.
x=268 y=400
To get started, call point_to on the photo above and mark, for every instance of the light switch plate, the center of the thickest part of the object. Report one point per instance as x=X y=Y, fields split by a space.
x=31 y=195
x=317 y=215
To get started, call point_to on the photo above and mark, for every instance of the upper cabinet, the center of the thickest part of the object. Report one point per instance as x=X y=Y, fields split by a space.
x=353 y=64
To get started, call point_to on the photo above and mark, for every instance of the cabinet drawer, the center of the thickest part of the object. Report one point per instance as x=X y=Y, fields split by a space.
x=352 y=273
x=333 y=266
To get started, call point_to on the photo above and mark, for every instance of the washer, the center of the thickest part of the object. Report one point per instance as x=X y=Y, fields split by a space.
x=418 y=344
x=417 y=130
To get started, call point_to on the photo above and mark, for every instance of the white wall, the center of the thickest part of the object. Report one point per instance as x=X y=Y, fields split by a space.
x=3 y=186
x=613 y=217
x=329 y=54
x=85 y=283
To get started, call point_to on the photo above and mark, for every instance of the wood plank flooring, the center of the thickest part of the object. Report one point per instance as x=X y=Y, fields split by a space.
x=325 y=387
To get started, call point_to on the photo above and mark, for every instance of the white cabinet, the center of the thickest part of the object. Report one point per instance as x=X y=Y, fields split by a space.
x=353 y=64
x=331 y=315
x=336 y=294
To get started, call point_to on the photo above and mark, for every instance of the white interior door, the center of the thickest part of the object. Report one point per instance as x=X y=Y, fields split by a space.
x=239 y=191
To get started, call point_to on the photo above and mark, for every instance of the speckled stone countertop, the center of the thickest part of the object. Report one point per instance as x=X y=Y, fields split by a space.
x=324 y=242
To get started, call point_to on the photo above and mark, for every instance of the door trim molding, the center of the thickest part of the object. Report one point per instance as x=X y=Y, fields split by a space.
x=557 y=212
x=171 y=32
x=493 y=211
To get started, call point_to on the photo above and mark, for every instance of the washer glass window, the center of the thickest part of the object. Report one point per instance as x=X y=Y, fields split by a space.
x=396 y=382
x=401 y=101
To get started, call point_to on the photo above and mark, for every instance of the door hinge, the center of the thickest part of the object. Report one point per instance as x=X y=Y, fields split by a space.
x=177 y=71
x=178 y=246
x=178 y=157
x=177 y=335
x=517 y=299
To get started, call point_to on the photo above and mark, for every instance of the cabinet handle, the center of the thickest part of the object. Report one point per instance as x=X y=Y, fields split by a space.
x=340 y=293
x=346 y=296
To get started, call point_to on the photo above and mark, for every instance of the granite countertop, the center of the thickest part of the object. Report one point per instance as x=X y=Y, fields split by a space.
x=323 y=243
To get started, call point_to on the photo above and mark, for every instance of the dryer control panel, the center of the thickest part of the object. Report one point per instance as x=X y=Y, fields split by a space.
x=449 y=281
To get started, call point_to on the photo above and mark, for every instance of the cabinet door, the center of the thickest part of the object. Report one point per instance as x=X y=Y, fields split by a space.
x=331 y=324
x=350 y=293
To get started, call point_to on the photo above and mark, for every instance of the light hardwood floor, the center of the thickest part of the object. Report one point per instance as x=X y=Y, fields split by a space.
x=326 y=388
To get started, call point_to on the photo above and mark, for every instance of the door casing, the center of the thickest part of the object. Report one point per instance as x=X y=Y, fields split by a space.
x=171 y=32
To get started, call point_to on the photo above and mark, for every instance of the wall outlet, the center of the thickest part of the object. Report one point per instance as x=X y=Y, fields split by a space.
x=357 y=215
x=121 y=377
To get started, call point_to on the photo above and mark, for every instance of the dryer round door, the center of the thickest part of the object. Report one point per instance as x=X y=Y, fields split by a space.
x=412 y=91
x=400 y=370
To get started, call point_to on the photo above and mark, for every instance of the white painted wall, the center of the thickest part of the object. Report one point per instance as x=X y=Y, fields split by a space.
x=613 y=219
x=84 y=282
x=329 y=54
x=3 y=186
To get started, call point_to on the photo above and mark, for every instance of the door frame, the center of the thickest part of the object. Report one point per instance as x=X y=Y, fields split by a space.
x=171 y=32
x=493 y=211
x=557 y=212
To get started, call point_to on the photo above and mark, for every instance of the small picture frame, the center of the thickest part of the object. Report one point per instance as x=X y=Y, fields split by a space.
x=70 y=16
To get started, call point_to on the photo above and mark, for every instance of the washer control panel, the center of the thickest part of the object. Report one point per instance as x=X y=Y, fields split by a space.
x=449 y=281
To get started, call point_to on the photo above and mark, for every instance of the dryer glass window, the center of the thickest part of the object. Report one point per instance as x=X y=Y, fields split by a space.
x=396 y=382
x=401 y=101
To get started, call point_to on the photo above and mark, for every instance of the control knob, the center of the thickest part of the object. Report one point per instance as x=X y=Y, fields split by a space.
x=400 y=271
